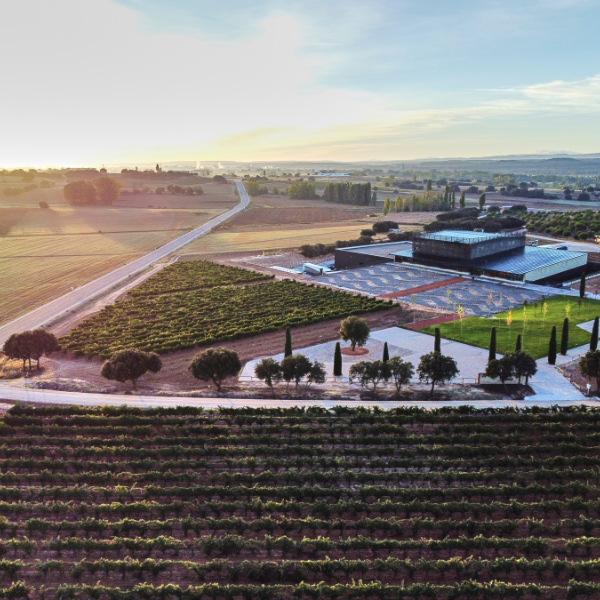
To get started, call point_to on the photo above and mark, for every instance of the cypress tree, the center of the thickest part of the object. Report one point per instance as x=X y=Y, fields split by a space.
x=461 y=202
x=582 y=286
x=337 y=360
x=481 y=201
x=437 y=346
x=594 y=340
x=386 y=353
x=453 y=199
x=288 y=342
x=518 y=346
x=564 y=340
x=552 y=347
x=492 y=355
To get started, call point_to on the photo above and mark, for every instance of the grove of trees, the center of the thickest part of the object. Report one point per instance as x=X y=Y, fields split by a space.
x=348 y=193
x=103 y=190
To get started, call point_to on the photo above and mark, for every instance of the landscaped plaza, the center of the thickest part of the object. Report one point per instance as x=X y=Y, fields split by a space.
x=477 y=298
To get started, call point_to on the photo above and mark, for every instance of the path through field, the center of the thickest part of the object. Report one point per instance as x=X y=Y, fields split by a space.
x=76 y=298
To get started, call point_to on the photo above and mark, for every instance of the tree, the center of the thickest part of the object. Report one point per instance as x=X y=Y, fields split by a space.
x=564 y=338
x=294 y=368
x=370 y=373
x=216 y=364
x=108 y=190
x=355 y=330
x=492 y=354
x=400 y=371
x=437 y=343
x=374 y=199
x=386 y=352
x=387 y=206
x=130 y=365
x=18 y=347
x=42 y=342
x=337 y=361
x=524 y=365
x=462 y=200
x=481 y=201
x=453 y=199
x=582 y=286
x=288 y=342
x=501 y=368
x=552 y=347
x=589 y=366
x=80 y=193
x=428 y=186
x=594 y=338
x=316 y=374
x=434 y=368
x=518 y=344
x=30 y=345
x=268 y=370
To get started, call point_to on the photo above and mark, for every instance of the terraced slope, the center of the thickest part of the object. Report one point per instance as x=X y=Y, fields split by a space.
x=253 y=504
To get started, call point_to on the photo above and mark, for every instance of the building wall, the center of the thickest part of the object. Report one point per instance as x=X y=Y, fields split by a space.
x=561 y=267
x=462 y=251
x=347 y=259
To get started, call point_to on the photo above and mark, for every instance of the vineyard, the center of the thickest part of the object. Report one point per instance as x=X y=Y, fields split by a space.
x=170 y=322
x=181 y=503
x=194 y=275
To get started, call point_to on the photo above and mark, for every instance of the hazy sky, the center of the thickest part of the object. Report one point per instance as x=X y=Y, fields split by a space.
x=110 y=81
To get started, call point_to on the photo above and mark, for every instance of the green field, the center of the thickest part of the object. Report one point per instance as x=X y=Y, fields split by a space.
x=530 y=322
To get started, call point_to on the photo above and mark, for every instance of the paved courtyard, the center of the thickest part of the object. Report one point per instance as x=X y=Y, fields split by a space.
x=383 y=279
x=478 y=298
x=549 y=384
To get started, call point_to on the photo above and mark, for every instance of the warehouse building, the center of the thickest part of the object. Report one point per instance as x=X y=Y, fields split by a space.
x=502 y=255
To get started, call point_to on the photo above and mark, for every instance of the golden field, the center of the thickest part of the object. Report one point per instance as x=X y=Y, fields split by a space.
x=49 y=251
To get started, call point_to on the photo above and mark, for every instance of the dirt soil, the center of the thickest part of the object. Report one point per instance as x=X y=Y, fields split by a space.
x=571 y=372
x=65 y=371
x=260 y=217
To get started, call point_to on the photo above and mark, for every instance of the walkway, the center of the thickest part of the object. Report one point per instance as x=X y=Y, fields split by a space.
x=50 y=397
x=424 y=288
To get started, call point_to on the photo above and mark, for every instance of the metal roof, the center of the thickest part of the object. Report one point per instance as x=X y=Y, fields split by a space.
x=384 y=250
x=519 y=262
x=467 y=237
x=526 y=260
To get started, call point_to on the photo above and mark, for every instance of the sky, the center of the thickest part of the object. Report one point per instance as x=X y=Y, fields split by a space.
x=123 y=81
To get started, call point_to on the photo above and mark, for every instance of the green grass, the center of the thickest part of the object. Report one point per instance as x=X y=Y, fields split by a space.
x=535 y=332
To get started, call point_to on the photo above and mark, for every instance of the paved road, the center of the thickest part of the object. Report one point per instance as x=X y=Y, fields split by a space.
x=10 y=393
x=572 y=246
x=42 y=315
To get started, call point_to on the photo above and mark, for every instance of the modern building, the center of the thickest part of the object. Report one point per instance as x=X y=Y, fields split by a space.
x=502 y=255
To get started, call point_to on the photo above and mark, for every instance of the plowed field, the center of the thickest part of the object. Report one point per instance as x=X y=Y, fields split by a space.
x=178 y=503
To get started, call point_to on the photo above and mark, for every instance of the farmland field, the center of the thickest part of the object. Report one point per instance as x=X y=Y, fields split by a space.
x=175 y=321
x=48 y=251
x=272 y=238
x=185 y=276
x=181 y=503
x=535 y=327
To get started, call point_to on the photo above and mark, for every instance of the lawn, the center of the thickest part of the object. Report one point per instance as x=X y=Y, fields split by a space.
x=530 y=321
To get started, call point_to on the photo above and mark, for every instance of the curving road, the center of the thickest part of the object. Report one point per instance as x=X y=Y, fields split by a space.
x=72 y=300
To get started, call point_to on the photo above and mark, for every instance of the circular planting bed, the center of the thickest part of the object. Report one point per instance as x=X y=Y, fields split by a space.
x=355 y=352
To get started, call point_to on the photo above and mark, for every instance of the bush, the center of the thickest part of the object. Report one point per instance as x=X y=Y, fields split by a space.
x=44 y=204
x=384 y=226
x=313 y=250
x=367 y=233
